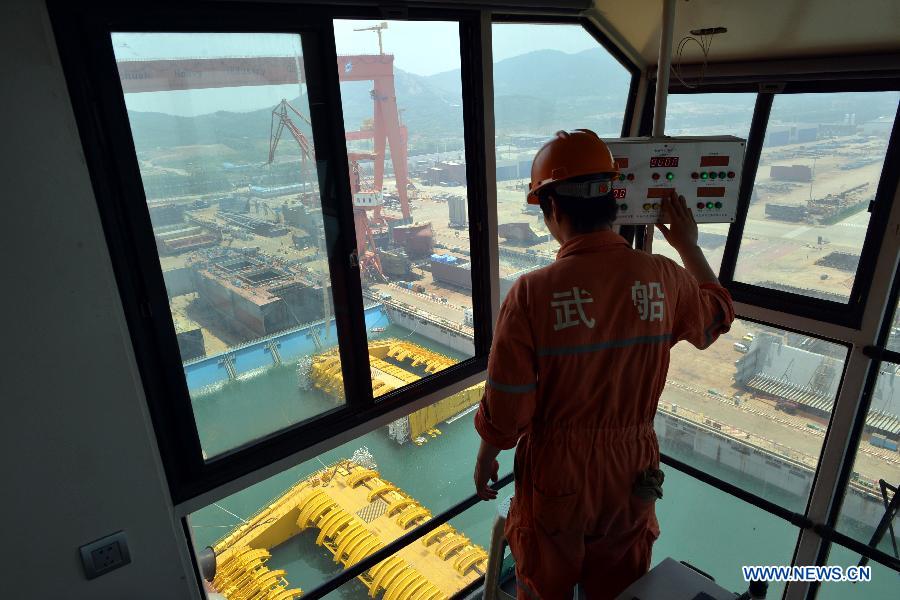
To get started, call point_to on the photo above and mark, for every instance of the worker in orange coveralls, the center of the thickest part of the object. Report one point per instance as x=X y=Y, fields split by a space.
x=578 y=363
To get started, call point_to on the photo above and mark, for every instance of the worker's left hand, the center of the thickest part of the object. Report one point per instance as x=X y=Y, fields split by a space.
x=484 y=471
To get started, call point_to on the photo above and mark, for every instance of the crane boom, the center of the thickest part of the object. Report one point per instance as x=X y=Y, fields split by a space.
x=281 y=118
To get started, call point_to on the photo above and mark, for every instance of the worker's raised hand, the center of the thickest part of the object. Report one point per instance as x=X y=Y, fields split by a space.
x=486 y=471
x=681 y=233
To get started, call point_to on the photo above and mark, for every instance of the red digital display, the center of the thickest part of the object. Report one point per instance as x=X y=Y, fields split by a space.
x=711 y=192
x=713 y=161
x=621 y=162
x=619 y=193
x=658 y=192
x=663 y=161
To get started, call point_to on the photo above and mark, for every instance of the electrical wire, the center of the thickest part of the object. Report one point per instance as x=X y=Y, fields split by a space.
x=705 y=43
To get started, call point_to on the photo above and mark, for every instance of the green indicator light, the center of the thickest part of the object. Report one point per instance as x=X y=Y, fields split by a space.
x=670 y=176
x=712 y=174
x=621 y=176
x=704 y=175
x=722 y=174
x=709 y=205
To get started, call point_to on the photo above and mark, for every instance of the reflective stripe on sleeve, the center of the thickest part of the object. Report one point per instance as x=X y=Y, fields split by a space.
x=584 y=348
x=512 y=389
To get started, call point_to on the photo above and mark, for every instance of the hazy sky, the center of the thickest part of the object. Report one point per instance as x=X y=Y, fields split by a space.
x=423 y=48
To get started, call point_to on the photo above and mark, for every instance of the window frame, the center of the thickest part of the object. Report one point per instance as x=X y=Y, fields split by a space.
x=878 y=354
x=840 y=323
x=844 y=314
x=93 y=82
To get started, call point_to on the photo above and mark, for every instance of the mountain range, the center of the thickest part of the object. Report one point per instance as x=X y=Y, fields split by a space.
x=533 y=92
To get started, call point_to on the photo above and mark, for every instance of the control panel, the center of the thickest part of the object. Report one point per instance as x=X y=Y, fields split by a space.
x=705 y=170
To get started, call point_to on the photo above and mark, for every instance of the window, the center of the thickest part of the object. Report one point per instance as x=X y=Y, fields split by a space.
x=401 y=96
x=876 y=459
x=752 y=409
x=695 y=518
x=819 y=170
x=710 y=114
x=572 y=83
x=893 y=342
x=706 y=114
x=882 y=585
x=228 y=167
x=461 y=541
x=391 y=479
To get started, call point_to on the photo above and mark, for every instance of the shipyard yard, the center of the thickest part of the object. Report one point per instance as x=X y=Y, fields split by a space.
x=242 y=250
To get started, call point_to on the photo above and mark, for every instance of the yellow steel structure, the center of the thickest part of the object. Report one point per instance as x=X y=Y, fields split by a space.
x=243 y=575
x=395 y=363
x=356 y=512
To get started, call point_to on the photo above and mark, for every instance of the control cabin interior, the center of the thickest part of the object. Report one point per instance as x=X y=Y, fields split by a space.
x=259 y=249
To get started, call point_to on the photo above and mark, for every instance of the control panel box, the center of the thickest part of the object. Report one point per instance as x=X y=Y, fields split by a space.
x=705 y=170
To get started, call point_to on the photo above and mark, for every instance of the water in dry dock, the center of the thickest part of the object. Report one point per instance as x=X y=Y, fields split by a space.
x=710 y=529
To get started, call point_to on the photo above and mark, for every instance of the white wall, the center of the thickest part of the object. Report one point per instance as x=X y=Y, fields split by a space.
x=78 y=458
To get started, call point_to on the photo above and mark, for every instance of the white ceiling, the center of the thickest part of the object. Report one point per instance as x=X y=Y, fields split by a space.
x=757 y=29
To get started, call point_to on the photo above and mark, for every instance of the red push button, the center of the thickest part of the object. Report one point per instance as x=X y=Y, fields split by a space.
x=655 y=176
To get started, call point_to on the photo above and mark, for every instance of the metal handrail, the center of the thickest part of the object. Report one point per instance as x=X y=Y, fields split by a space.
x=798 y=520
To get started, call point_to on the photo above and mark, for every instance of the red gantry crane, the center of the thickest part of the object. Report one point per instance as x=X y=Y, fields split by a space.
x=205 y=73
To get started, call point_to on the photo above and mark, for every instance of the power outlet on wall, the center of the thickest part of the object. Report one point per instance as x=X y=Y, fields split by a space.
x=105 y=555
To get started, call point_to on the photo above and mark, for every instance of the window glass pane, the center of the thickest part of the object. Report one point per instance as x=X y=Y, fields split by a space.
x=589 y=90
x=876 y=459
x=893 y=342
x=430 y=475
x=706 y=114
x=819 y=170
x=237 y=219
x=468 y=540
x=401 y=94
x=710 y=114
x=752 y=409
x=718 y=534
x=883 y=584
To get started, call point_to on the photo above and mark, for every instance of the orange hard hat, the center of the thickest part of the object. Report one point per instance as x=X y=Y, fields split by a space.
x=569 y=154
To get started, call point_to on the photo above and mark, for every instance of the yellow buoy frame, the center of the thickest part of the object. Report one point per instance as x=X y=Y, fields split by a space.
x=467 y=560
x=428 y=538
x=347 y=538
x=447 y=548
x=409 y=518
x=365 y=548
x=400 y=583
x=404 y=589
x=331 y=500
x=360 y=476
x=417 y=588
x=384 y=569
x=382 y=489
x=400 y=505
x=333 y=524
x=354 y=547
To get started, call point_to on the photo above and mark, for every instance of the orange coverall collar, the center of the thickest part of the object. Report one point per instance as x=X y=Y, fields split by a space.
x=590 y=242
